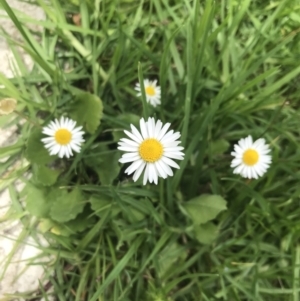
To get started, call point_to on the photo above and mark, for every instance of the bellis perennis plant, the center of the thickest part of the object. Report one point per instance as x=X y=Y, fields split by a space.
x=151 y=150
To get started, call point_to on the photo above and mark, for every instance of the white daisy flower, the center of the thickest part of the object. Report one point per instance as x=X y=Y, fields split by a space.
x=151 y=90
x=64 y=137
x=251 y=159
x=152 y=149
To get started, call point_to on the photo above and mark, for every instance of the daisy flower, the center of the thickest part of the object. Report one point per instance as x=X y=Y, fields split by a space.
x=251 y=159
x=151 y=149
x=64 y=137
x=151 y=90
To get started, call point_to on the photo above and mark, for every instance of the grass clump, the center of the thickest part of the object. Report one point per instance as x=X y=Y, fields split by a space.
x=226 y=70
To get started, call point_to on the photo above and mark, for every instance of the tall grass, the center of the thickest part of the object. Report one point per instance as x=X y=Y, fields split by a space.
x=227 y=69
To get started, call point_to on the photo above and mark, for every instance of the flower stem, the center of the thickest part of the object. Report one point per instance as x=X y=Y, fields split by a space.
x=141 y=80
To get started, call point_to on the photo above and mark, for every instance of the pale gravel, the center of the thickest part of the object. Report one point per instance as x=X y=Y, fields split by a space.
x=20 y=276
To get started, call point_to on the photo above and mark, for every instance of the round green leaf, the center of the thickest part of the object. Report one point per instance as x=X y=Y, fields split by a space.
x=105 y=163
x=36 y=151
x=206 y=233
x=67 y=205
x=219 y=147
x=109 y=168
x=44 y=175
x=204 y=208
x=36 y=202
x=101 y=204
x=134 y=215
x=170 y=255
x=87 y=110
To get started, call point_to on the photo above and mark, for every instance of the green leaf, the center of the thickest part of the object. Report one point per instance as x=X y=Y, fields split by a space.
x=79 y=224
x=69 y=228
x=87 y=111
x=44 y=175
x=36 y=151
x=109 y=168
x=219 y=147
x=103 y=204
x=135 y=215
x=105 y=163
x=67 y=205
x=36 y=201
x=206 y=233
x=204 y=208
x=170 y=255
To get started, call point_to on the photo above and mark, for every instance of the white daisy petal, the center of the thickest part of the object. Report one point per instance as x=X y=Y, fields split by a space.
x=136 y=133
x=238 y=148
x=138 y=172
x=51 y=126
x=134 y=166
x=50 y=144
x=150 y=128
x=172 y=138
x=146 y=174
x=171 y=144
x=166 y=168
x=55 y=149
x=64 y=137
x=155 y=174
x=61 y=152
x=77 y=131
x=46 y=140
x=69 y=151
x=235 y=162
x=170 y=162
x=48 y=131
x=143 y=126
x=174 y=149
x=127 y=148
x=151 y=173
x=122 y=143
x=250 y=158
x=163 y=131
x=157 y=129
x=127 y=160
x=133 y=137
x=160 y=170
x=167 y=136
x=248 y=173
x=151 y=150
x=130 y=155
x=76 y=148
x=178 y=156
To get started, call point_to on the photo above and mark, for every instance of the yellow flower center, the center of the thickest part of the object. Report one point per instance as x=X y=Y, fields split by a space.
x=150 y=91
x=151 y=150
x=250 y=157
x=63 y=136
